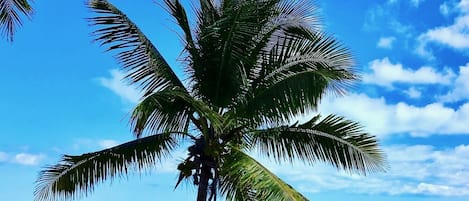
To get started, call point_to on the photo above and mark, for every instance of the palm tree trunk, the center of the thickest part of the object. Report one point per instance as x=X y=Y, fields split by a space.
x=203 y=183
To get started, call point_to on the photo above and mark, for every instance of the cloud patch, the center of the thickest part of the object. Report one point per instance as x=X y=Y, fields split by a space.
x=385 y=73
x=454 y=35
x=461 y=86
x=383 y=119
x=21 y=158
x=116 y=84
x=385 y=42
x=28 y=159
x=413 y=92
x=427 y=171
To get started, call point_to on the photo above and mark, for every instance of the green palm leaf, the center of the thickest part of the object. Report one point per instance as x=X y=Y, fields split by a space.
x=77 y=175
x=334 y=140
x=243 y=178
x=294 y=75
x=179 y=13
x=144 y=63
x=170 y=109
x=10 y=16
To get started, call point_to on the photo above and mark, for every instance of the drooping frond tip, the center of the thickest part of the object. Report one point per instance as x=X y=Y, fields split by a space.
x=244 y=178
x=75 y=176
x=10 y=16
x=144 y=64
x=333 y=140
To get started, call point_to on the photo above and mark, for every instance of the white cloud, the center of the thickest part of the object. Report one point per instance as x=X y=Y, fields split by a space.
x=28 y=159
x=107 y=143
x=384 y=119
x=117 y=85
x=21 y=158
x=417 y=169
x=461 y=86
x=385 y=73
x=412 y=92
x=386 y=42
x=455 y=35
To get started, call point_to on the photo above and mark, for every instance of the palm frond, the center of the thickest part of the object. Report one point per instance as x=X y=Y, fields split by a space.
x=159 y=112
x=299 y=14
x=10 y=16
x=334 y=140
x=294 y=75
x=75 y=176
x=179 y=13
x=137 y=55
x=243 y=178
x=169 y=109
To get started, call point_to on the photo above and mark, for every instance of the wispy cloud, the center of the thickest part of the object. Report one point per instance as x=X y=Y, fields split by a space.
x=413 y=92
x=21 y=158
x=386 y=42
x=107 y=143
x=445 y=8
x=28 y=159
x=89 y=145
x=117 y=85
x=416 y=3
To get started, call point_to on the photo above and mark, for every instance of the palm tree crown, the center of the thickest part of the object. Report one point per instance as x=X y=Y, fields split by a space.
x=253 y=66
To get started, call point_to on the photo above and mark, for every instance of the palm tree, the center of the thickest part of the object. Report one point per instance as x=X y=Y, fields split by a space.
x=10 y=16
x=253 y=66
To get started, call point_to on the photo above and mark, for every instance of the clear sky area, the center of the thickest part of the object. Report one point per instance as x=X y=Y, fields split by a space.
x=62 y=94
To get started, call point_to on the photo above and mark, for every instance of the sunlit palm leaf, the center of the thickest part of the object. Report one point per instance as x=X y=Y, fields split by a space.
x=10 y=16
x=243 y=178
x=295 y=74
x=77 y=175
x=334 y=140
x=138 y=56
x=289 y=15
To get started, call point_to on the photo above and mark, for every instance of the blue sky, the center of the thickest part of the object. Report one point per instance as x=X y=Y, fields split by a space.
x=61 y=94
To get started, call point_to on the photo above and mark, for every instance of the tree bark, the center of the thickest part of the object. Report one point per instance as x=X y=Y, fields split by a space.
x=203 y=183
